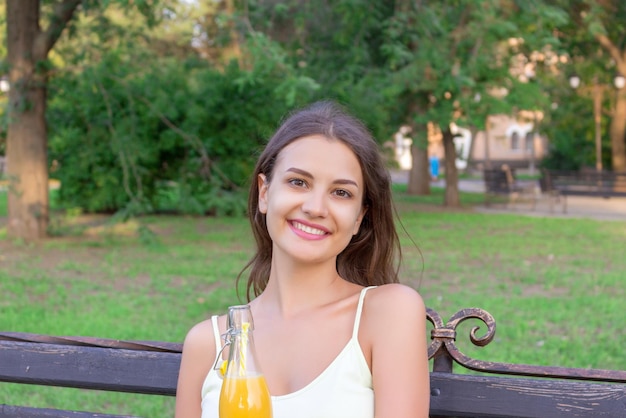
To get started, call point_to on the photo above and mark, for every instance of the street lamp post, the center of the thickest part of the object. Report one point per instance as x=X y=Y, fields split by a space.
x=597 y=93
x=597 y=117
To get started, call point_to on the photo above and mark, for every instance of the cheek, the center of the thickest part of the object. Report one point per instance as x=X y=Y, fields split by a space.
x=277 y=207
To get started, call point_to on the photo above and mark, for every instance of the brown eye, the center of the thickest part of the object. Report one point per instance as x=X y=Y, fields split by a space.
x=297 y=182
x=343 y=193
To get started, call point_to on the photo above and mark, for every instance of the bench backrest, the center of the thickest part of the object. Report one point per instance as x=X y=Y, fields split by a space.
x=588 y=182
x=152 y=368
x=151 y=372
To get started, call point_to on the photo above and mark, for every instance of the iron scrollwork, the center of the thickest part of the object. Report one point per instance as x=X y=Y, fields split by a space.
x=444 y=352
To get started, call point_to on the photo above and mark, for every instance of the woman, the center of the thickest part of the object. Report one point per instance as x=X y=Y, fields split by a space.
x=336 y=335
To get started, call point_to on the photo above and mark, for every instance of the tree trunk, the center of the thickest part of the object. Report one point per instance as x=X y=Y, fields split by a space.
x=451 y=198
x=27 y=137
x=470 y=154
x=419 y=176
x=618 y=133
x=27 y=165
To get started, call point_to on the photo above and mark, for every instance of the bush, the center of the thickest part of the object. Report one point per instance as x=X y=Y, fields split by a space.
x=147 y=135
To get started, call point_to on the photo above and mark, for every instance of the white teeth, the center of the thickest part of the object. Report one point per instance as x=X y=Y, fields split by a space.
x=308 y=229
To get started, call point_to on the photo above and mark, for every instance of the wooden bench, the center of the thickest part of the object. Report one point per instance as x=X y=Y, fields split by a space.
x=584 y=183
x=500 y=390
x=501 y=182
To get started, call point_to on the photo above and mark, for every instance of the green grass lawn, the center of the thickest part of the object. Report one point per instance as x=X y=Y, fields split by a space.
x=3 y=203
x=555 y=286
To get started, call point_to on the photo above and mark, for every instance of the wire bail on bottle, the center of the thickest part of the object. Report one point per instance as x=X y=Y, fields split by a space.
x=244 y=392
x=239 y=325
x=221 y=369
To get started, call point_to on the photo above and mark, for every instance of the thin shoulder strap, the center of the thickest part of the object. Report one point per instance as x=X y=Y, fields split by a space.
x=216 y=334
x=359 y=309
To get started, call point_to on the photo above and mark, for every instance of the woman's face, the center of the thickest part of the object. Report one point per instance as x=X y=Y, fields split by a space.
x=314 y=203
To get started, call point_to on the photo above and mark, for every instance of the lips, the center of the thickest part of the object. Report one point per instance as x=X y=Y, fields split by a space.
x=308 y=229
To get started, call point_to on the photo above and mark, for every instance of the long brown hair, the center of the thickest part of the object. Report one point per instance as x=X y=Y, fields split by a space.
x=373 y=255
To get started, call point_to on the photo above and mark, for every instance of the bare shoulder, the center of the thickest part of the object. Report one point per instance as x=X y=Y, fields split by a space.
x=393 y=339
x=393 y=315
x=200 y=336
x=394 y=298
x=392 y=307
x=199 y=351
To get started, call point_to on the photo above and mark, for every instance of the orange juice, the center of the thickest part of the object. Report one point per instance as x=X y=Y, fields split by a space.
x=245 y=397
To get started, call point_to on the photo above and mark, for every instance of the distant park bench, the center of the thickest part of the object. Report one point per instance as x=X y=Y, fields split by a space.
x=502 y=183
x=152 y=368
x=583 y=183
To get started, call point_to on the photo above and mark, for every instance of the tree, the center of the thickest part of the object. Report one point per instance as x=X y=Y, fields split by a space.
x=593 y=24
x=416 y=63
x=28 y=47
x=444 y=54
x=33 y=29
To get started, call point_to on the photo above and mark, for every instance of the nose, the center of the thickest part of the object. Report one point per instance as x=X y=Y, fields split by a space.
x=315 y=204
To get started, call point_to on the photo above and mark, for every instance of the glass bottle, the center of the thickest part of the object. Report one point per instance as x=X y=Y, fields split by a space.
x=244 y=391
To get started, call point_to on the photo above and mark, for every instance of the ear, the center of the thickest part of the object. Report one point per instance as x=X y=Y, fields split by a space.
x=359 y=219
x=262 y=185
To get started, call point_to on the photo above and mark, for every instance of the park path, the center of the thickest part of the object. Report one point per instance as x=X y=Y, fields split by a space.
x=613 y=208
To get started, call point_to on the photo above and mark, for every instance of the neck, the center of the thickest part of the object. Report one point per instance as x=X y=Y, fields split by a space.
x=294 y=290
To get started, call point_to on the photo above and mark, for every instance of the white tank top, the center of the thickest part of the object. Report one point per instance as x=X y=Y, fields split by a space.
x=343 y=389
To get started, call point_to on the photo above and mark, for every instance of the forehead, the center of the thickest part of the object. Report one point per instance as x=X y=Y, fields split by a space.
x=321 y=153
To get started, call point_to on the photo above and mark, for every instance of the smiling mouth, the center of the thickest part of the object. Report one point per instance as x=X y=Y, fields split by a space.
x=308 y=229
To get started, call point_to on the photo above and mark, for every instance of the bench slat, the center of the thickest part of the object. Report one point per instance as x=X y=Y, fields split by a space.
x=98 y=368
x=7 y=411
x=454 y=395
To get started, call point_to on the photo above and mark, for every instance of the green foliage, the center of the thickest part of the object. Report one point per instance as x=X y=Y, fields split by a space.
x=578 y=36
x=571 y=133
x=125 y=133
x=444 y=55
x=336 y=46
x=140 y=123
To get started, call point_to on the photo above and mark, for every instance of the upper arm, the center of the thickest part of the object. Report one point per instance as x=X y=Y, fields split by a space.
x=197 y=360
x=396 y=330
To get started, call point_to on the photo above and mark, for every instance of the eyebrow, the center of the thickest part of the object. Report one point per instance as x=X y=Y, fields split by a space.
x=309 y=175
